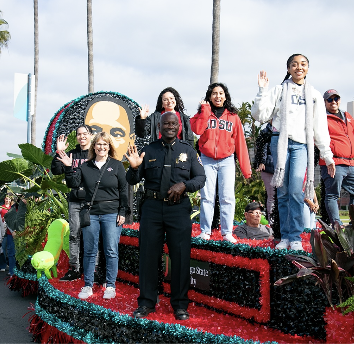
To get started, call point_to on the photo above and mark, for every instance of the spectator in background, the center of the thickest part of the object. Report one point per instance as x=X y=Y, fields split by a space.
x=253 y=229
x=341 y=131
x=4 y=231
x=221 y=138
x=264 y=165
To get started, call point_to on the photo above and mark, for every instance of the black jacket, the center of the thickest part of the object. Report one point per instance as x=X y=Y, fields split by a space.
x=263 y=154
x=112 y=194
x=57 y=168
x=186 y=167
x=148 y=126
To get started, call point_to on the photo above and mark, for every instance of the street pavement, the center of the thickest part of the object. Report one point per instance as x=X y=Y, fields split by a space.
x=13 y=321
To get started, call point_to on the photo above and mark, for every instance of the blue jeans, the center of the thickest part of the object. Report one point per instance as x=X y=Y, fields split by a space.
x=309 y=217
x=224 y=171
x=3 y=263
x=344 y=178
x=290 y=195
x=106 y=223
x=11 y=253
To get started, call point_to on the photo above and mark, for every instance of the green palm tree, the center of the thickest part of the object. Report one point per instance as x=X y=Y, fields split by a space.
x=4 y=34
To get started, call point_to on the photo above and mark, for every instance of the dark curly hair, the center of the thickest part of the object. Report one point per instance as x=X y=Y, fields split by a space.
x=288 y=63
x=227 y=104
x=86 y=126
x=179 y=102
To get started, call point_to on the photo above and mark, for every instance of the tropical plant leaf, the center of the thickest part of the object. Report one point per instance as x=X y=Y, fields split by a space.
x=344 y=261
x=12 y=155
x=318 y=249
x=331 y=248
x=334 y=270
x=305 y=261
x=304 y=272
x=344 y=241
x=11 y=170
x=71 y=140
x=34 y=188
x=35 y=155
x=50 y=184
x=285 y=280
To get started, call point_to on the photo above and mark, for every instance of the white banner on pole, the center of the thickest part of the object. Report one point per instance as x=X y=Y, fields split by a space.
x=33 y=87
x=20 y=96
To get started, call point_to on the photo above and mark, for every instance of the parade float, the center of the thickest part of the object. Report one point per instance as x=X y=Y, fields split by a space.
x=233 y=294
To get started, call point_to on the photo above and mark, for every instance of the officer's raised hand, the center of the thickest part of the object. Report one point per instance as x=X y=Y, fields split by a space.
x=175 y=191
x=133 y=157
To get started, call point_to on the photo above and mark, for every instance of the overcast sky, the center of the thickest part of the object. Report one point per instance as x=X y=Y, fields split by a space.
x=141 y=47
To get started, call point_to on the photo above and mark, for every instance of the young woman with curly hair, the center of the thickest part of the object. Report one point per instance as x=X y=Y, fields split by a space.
x=168 y=100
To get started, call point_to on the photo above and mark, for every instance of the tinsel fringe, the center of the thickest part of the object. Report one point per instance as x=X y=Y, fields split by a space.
x=27 y=287
x=44 y=333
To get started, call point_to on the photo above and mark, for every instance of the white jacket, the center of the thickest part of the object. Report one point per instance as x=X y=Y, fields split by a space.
x=267 y=106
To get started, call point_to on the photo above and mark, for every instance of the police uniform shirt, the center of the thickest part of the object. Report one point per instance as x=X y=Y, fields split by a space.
x=186 y=166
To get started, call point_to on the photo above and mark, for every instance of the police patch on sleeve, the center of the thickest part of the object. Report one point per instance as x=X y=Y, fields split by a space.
x=199 y=159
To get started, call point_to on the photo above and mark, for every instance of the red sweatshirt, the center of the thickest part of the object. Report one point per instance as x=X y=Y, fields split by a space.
x=221 y=137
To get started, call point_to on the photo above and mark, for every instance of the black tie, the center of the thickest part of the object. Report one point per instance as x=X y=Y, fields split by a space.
x=166 y=172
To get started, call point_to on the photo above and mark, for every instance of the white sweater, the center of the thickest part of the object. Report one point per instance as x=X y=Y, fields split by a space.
x=267 y=106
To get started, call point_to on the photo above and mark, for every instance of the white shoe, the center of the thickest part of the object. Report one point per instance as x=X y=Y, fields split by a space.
x=296 y=245
x=204 y=236
x=85 y=292
x=283 y=244
x=109 y=293
x=229 y=237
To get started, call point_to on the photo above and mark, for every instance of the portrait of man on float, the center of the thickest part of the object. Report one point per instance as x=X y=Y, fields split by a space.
x=114 y=117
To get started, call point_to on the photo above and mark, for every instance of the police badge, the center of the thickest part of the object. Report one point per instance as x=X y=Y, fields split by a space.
x=182 y=157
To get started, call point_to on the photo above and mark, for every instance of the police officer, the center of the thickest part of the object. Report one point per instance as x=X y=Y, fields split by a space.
x=171 y=168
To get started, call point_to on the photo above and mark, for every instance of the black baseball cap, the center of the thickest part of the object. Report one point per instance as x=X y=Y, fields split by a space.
x=253 y=206
x=329 y=93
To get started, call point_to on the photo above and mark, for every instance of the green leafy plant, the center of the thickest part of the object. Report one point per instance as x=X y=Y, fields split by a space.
x=46 y=193
x=194 y=198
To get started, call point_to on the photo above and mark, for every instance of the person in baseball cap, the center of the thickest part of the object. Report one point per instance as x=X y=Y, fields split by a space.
x=341 y=131
x=332 y=103
x=253 y=229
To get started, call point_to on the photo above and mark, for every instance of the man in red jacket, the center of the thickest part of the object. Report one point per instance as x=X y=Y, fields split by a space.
x=341 y=131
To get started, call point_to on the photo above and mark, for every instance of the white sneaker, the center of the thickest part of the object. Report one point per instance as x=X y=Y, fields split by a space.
x=109 y=293
x=229 y=237
x=85 y=292
x=204 y=236
x=283 y=244
x=296 y=245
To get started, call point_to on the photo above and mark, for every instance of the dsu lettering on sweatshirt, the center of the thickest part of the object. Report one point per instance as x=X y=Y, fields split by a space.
x=297 y=100
x=223 y=125
x=78 y=162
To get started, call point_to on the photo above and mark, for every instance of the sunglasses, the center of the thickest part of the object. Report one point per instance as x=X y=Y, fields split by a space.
x=336 y=98
x=255 y=213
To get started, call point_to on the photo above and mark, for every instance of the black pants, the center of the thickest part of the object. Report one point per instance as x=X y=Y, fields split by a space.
x=158 y=218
